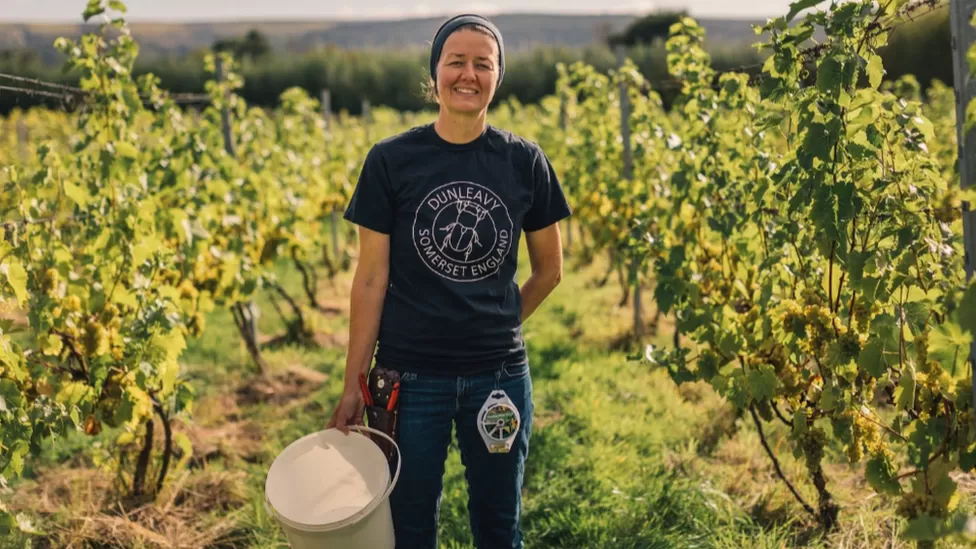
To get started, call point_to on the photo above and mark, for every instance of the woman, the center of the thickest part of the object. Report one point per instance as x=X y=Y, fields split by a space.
x=441 y=208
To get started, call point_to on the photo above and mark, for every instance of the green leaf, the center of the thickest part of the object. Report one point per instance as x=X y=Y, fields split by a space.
x=967 y=458
x=126 y=150
x=855 y=266
x=924 y=527
x=762 y=382
x=77 y=193
x=823 y=213
x=8 y=524
x=875 y=71
x=916 y=315
x=832 y=398
x=949 y=345
x=17 y=452
x=94 y=8
x=905 y=392
x=943 y=487
x=146 y=248
x=10 y=396
x=882 y=475
x=798 y=6
x=118 y=6
x=122 y=296
x=799 y=422
x=17 y=278
x=830 y=76
x=815 y=143
x=738 y=391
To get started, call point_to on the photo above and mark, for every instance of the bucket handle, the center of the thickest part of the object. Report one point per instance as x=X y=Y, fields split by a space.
x=396 y=476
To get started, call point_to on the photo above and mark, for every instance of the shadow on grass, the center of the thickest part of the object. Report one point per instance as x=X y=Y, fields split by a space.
x=544 y=358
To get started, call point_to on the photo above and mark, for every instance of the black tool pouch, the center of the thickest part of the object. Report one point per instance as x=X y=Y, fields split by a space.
x=381 y=383
x=382 y=420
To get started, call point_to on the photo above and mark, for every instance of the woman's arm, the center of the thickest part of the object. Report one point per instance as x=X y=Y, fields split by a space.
x=546 y=258
x=369 y=285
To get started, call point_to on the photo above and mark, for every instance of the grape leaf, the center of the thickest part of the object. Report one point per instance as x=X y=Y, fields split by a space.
x=905 y=392
x=881 y=475
x=798 y=6
x=77 y=193
x=762 y=382
x=52 y=345
x=125 y=149
x=830 y=76
x=94 y=8
x=875 y=71
x=949 y=345
x=924 y=527
x=17 y=278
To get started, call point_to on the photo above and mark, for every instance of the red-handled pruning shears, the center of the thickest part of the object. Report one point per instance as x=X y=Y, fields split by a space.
x=393 y=397
x=365 y=389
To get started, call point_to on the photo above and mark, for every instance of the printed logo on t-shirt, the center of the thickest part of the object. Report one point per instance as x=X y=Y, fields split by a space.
x=462 y=231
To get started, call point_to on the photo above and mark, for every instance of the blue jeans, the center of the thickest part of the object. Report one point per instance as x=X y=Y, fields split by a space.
x=428 y=407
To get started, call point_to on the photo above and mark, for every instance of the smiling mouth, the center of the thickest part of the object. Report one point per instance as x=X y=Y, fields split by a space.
x=466 y=91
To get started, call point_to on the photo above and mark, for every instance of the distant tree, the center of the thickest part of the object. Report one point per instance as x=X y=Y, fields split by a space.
x=19 y=59
x=254 y=45
x=646 y=29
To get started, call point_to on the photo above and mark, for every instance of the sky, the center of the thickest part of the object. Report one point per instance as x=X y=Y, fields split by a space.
x=221 y=10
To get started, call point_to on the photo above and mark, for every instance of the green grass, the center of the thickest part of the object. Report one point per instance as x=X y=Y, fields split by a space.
x=619 y=456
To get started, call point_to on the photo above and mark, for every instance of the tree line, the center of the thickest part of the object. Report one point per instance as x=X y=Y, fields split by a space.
x=395 y=78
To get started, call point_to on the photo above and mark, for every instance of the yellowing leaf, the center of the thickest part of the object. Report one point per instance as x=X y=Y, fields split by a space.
x=17 y=278
x=126 y=150
x=145 y=248
x=73 y=393
x=875 y=71
x=77 y=193
x=52 y=345
x=123 y=296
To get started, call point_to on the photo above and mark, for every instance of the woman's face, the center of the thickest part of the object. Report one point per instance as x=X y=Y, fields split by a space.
x=467 y=72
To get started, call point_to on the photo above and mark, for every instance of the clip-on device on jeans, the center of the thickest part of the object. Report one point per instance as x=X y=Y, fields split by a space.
x=381 y=392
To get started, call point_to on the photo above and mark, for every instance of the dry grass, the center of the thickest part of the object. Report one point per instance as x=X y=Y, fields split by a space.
x=194 y=511
x=82 y=506
x=294 y=384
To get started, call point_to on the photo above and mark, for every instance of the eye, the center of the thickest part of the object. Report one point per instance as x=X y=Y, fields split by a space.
x=483 y=66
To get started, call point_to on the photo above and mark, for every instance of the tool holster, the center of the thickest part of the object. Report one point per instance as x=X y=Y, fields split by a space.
x=383 y=386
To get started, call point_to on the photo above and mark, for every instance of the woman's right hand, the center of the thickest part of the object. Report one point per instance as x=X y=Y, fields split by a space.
x=349 y=411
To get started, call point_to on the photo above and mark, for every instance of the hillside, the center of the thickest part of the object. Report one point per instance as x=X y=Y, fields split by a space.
x=521 y=31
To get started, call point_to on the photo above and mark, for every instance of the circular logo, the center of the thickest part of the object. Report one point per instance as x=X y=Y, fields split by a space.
x=462 y=231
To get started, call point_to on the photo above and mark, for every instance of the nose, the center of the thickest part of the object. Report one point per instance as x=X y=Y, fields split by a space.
x=468 y=72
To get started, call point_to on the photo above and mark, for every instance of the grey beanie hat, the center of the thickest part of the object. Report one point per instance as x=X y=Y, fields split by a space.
x=452 y=25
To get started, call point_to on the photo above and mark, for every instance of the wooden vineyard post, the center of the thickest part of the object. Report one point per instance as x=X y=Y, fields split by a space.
x=249 y=320
x=327 y=116
x=327 y=108
x=963 y=36
x=628 y=174
x=366 y=117
x=563 y=115
x=22 y=138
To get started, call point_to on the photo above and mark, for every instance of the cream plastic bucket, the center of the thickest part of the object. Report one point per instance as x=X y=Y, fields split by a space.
x=328 y=490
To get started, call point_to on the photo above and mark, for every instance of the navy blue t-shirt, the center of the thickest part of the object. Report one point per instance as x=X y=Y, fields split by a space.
x=455 y=214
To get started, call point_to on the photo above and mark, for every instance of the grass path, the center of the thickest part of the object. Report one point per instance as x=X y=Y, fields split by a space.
x=619 y=456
